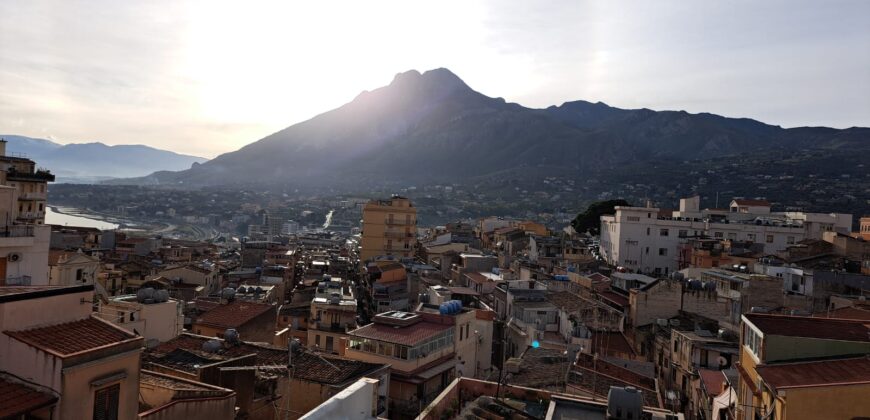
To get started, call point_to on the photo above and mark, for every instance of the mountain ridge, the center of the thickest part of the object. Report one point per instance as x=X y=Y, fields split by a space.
x=432 y=127
x=74 y=162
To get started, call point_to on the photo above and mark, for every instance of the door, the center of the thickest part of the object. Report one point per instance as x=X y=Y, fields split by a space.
x=3 y=271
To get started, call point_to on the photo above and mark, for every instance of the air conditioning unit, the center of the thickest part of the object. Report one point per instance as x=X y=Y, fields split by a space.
x=14 y=256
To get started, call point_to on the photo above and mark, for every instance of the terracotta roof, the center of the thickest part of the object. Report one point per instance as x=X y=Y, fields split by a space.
x=71 y=338
x=477 y=277
x=408 y=336
x=17 y=399
x=822 y=328
x=747 y=202
x=848 y=312
x=713 y=380
x=233 y=314
x=818 y=373
x=185 y=351
x=312 y=368
x=614 y=297
x=610 y=341
x=589 y=372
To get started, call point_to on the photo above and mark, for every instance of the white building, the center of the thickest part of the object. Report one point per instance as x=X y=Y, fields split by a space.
x=641 y=239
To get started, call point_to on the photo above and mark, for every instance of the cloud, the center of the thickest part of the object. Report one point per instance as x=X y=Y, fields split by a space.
x=207 y=77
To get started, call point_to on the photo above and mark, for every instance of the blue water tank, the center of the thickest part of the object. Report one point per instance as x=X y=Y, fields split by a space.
x=458 y=306
x=442 y=309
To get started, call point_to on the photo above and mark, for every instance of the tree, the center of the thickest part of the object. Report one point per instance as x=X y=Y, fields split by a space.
x=590 y=220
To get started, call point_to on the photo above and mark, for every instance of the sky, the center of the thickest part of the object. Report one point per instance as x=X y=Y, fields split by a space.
x=208 y=77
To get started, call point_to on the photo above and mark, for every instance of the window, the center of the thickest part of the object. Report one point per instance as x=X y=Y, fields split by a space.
x=663 y=252
x=769 y=239
x=750 y=236
x=106 y=403
x=633 y=218
x=789 y=240
x=647 y=231
x=752 y=340
x=317 y=340
x=663 y=232
x=329 y=341
x=683 y=233
x=717 y=235
x=79 y=274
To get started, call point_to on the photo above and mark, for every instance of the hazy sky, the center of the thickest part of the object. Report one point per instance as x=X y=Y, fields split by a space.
x=208 y=77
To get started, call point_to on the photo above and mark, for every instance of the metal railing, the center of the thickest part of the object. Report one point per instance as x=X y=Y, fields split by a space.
x=18 y=281
x=16 y=231
x=31 y=215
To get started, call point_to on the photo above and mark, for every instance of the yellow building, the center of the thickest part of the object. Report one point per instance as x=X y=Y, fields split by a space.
x=389 y=228
x=803 y=368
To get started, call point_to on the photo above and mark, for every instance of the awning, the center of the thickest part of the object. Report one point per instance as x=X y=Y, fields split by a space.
x=428 y=373
x=724 y=400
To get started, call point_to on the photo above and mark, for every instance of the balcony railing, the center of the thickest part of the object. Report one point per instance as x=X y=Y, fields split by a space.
x=30 y=215
x=32 y=196
x=16 y=231
x=398 y=235
x=397 y=222
x=18 y=281
x=43 y=176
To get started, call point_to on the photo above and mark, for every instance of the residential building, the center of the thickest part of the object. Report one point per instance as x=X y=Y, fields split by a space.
x=389 y=228
x=164 y=397
x=152 y=315
x=803 y=368
x=642 y=240
x=50 y=340
x=30 y=186
x=203 y=274
x=315 y=379
x=466 y=397
x=389 y=286
x=252 y=321
x=333 y=314
x=420 y=349
x=67 y=268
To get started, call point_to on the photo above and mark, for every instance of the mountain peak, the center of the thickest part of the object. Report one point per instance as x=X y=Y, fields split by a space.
x=440 y=79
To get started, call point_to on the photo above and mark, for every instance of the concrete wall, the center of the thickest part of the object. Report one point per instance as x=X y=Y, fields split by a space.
x=354 y=402
x=78 y=393
x=34 y=254
x=195 y=409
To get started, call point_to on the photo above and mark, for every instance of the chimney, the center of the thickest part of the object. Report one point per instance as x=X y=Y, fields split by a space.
x=2 y=147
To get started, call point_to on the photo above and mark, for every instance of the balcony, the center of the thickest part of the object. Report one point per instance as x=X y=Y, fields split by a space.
x=41 y=196
x=38 y=176
x=17 y=281
x=16 y=231
x=330 y=327
x=399 y=235
x=31 y=215
x=396 y=222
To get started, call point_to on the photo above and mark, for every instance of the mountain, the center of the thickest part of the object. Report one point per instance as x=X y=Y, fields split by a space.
x=432 y=128
x=86 y=162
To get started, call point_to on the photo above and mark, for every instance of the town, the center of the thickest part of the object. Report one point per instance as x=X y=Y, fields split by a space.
x=751 y=310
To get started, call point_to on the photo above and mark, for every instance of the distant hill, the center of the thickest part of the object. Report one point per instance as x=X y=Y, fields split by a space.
x=89 y=162
x=432 y=128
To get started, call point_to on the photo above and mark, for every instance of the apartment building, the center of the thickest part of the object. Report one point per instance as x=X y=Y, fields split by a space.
x=803 y=368
x=389 y=286
x=421 y=350
x=333 y=314
x=643 y=239
x=389 y=228
x=29 y=183
x=150 y=314
x=50 y=339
